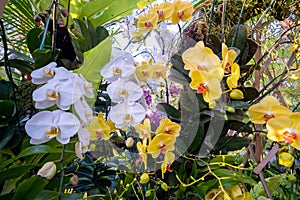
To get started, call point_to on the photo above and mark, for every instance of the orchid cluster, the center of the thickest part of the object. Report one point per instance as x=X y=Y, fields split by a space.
x=61 y=91
x=161 y=144
x=175 y=11
x=282 y=125
x=207 y=72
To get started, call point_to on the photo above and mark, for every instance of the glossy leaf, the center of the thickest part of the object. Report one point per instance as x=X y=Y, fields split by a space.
x=30 y=188
x=7 y=108
x=231 y=143
x=5 y=90
x=6 y=135
x=40 y=149
x=14 y=172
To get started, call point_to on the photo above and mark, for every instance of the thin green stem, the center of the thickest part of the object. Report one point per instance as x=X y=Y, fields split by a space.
x=62 y=173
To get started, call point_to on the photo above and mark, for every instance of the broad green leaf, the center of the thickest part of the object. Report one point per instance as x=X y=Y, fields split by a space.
x=31 y=151
x=102 y=33
x=30 y=188
x=46 y=194
x=7 y=133
x=94 y=60
x=14 y=172
x=7 y=108
x=33 y=41
x=116 y=10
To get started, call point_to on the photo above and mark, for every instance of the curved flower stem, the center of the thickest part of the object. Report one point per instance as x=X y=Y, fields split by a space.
x=62 y=172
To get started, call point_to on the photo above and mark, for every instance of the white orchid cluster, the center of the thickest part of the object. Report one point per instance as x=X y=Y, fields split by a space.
x=124 y=90
x=66 y=90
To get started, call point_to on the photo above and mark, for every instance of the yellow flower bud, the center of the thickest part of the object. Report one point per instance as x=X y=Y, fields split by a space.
x=230 y=109
x=74 y=180
x=127 y=185
x=144 y=178
x=129 y=142
x=286 y=159
x=236 y=94
x=165 y=187
x=148 y=193
x=48 y=170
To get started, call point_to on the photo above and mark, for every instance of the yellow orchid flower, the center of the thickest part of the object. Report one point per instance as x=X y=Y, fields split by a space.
x=164 y=11
x=166 y=126
x=166 y=165
x=148 y=21
x=286 y=159
x=144 y=130
x=232 y=80
x=161 y=143
x=268 y=108
x=159 y=71
x=98 y=128
x=285 y=129
x=183 y=11
x=207 y=84
x=144 y=71
x=228 y=58
x=142 y=153
x=200 y=57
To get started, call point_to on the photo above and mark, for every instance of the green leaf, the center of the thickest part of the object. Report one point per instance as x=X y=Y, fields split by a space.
x=102 y=33
x=30 y=188
x=14 y=172
x=46 y=194
x=116 y=10
x=235 y=143
x=7 y=133
x=94 y=60
x=33 y=39
x=169 y=110
x=7 y=108
x=5 y=90
x=32 y=151
x=41 y=57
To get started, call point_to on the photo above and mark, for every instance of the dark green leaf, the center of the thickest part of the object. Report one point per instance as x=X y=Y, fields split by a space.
x=14 y=172
x=41 y=57
x=6 y=135
x=46 y=194
x=169 y=110
x=238 y=105
x=102 y=33
x=33 y=39
x=31 y=151
x=231 y=143
x=240 y=40
x=7 y=108
x=30 y=188
x=5 y=90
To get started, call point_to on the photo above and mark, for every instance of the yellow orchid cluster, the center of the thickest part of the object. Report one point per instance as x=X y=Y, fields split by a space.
x=148 y=70
x=161 y=144
x=176 y=11
x=207 y=72
x=282 y=124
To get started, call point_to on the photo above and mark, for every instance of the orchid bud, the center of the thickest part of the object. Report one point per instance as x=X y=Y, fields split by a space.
x=236 y=94
x=37 y=19
x=165 y=187
x=129 y=142
x=144 y=178
x=64 y=12
x=48 y=170
x=74 y=180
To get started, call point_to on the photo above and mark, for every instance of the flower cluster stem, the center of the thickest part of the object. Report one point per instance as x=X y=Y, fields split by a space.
x=62 y=173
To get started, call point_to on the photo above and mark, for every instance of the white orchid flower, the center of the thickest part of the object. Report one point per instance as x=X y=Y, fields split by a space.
x=63 y=93
x=123 y=114
x=122 y=66
x=85 y=86
x=83 y=110
x=123 y=90
x=82 y=145
x=46 y=125
x=44 y=74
